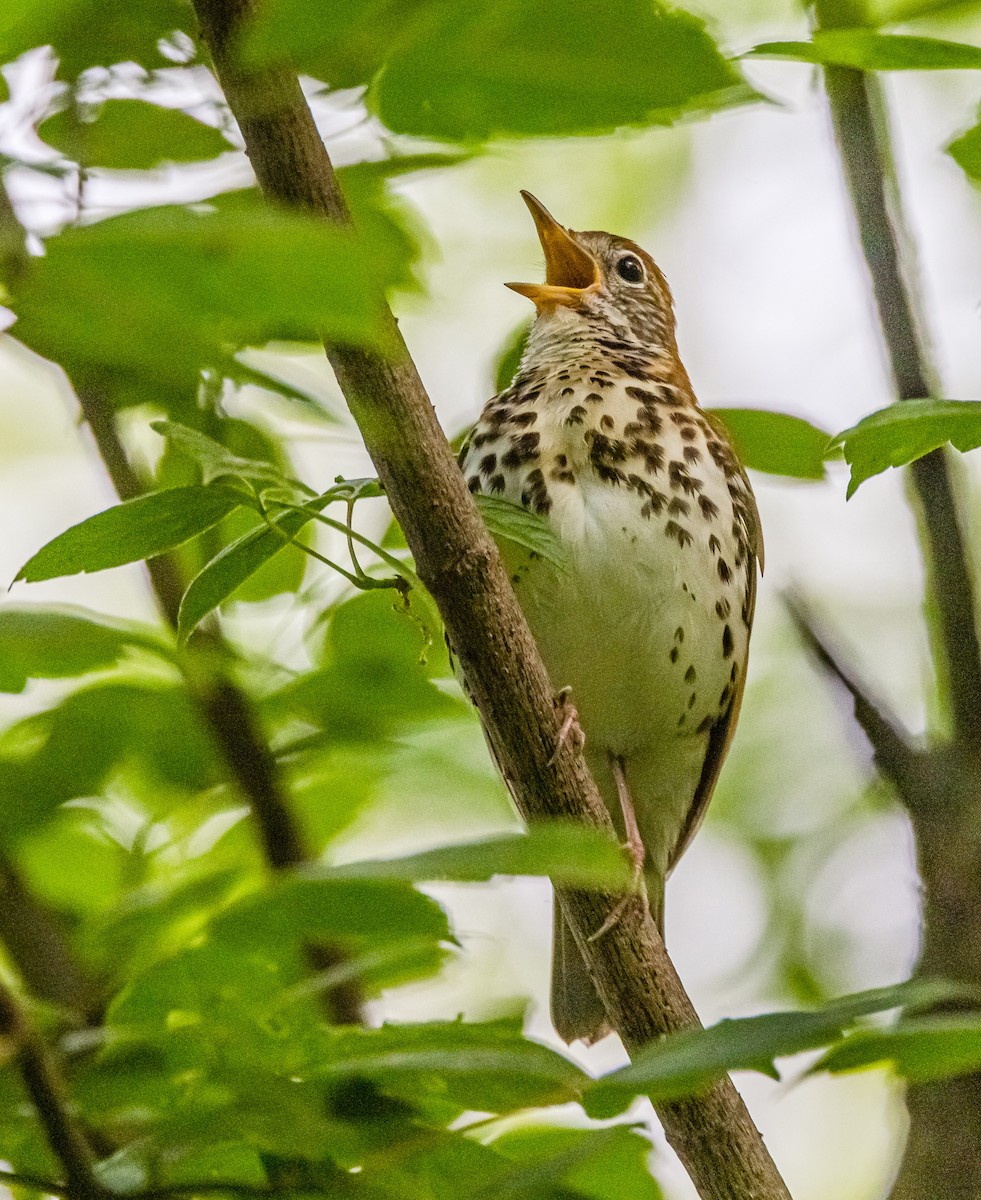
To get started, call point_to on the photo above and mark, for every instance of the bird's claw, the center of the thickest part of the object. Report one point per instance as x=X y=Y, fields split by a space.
x=569 y=729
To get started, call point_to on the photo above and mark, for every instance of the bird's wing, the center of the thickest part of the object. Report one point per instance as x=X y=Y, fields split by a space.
x=721 y=734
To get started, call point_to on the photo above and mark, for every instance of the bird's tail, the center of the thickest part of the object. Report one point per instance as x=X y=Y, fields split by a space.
x=577 y=1011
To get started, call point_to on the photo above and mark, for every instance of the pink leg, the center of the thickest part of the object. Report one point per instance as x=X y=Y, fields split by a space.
x=570 y=727
x=635 y=845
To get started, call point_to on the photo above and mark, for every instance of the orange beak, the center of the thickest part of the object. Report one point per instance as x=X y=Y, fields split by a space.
x=570 y=271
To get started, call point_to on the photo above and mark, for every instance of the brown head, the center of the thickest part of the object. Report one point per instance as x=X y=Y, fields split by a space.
x=607 y=284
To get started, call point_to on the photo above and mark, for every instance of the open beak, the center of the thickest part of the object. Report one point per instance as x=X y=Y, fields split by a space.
x=570 y=271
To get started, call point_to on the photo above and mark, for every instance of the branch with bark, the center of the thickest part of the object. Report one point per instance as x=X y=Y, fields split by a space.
x=454 y=556
x=940 y=786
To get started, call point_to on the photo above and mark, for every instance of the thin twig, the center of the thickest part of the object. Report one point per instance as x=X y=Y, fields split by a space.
x=907 y=768
x=43 y=1083
x=459 y=564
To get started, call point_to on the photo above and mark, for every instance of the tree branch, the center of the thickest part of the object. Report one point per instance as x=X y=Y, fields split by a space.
x=44 y=1085
x=459 y=564
x=908 y=769
x=860 y=128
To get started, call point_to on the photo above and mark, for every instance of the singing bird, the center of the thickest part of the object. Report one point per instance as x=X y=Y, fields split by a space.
x=644 y=623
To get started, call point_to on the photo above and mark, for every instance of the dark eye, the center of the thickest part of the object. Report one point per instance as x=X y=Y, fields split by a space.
x=630 y=269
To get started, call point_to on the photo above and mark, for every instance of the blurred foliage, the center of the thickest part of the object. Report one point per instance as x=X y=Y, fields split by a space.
x=204 y=1055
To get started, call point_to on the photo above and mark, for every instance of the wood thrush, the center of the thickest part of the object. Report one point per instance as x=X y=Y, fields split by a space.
x=645 y=627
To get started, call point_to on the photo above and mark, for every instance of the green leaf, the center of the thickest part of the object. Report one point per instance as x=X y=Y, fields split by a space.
x=90 y=33
x=603 y=1164
x=923 y=1049
x=499 y=69
x=512 y=523
x=895 y=436
x=58 y=642
x=869 y=50
x=686 y=1064
x=217 y=461
x=237 y=562
x=167 y=291
x=132 y=531
x=487 y=1067
x=131 y=135
x=571 y=854
x=966 y=152
x=509 y=358
x=775 y=442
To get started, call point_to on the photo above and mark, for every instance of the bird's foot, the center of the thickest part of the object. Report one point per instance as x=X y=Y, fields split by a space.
x=569 y=730
x=634 y=845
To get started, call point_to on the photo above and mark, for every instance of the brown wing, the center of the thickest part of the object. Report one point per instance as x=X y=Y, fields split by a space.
x=721 y=735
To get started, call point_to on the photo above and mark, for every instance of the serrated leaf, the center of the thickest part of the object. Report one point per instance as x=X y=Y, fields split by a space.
x=686 y=1064
x=571 y=855
x=217 y=461
x=776 y=443
x=237 y=562
x=926 y=1048
x=131 y=135
x=132 y=531
x=895 y=436
x=525 y=529
x=474 y=72
x=870 y=50
x=57 y=642
x=488 y=1067
x=966 y=152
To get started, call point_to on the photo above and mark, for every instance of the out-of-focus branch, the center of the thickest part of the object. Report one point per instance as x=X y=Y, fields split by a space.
x=907 y=768
x=713 y=1134
x=941 y=1157
x=861 y=131
x=43 y=1083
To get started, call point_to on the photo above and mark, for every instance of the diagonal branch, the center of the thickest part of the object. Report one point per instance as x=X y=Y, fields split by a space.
x=459 y=564
x=907 y=768
x=43 y=1083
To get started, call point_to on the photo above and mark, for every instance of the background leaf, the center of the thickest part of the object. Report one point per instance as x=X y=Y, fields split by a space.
x=870 y=50
x=58 y=642
x=132 y=135
x=895 y=436
x=499 y=70
x=926 y=1048
x=966 y=152
x=522 y=528
x=775 y=442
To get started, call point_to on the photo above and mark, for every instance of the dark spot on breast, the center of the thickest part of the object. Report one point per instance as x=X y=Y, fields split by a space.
x=679 y=633
x=691 y=701
x=726 y=642
x=497 y=483
x=576 y=415
x=690 y=675
x=604 y=449
x=714 y=544
x=643 y=395
x=568 y=391
x=691 y=454
x=607 y=422
x=650 y=420
x=488 y=463
x=722 y=609
x=726 y=696
x=524 y=418
x=511 y=460
x=473 y=483
x=725 y=574
x=673 y=530
x=482 y=439
x=688 y=432
x=527 y=445
x=652 y=454
x=593 y=398
x=535 y=495
x=678 y=507
x=673 y=655
x=654 y=504
x=709 y=508
x=705 y=724
x=734 y=673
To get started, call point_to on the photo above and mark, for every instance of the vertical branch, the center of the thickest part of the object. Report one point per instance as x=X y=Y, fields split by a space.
x=43 y=1083
x=941 y=1155
x=860 y=129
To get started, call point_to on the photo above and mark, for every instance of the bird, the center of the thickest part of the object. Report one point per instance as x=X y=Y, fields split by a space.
x=643 y=622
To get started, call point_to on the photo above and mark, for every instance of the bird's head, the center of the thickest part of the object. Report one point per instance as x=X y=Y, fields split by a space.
x=606 y=282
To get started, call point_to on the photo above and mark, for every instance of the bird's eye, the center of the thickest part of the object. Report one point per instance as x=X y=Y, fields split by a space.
x=631 y=269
